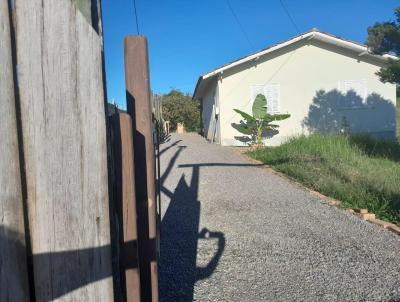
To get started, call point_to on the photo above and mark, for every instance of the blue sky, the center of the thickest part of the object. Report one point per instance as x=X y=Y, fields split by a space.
x=189 y=37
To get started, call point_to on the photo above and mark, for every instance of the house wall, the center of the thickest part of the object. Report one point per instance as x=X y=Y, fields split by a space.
x=301 y=70
x=210 y=124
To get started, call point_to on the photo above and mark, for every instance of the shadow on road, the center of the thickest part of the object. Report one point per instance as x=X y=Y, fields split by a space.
x=179 y=239
x=180 y=235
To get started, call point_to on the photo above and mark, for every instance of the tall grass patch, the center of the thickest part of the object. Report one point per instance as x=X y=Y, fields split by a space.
x=398 y=118
x=359 y=171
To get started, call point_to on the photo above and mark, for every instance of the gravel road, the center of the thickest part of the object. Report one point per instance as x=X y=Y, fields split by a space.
x=234 y=231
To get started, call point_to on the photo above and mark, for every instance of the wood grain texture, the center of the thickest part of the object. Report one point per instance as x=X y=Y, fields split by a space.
x=13 y=269
x=63 y=123
x=85 y=7
x=126 y=207
x=137 y=79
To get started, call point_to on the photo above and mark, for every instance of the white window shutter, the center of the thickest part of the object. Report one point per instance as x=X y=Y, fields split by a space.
x=254 y=91
x=272 y=94
x=358 y=86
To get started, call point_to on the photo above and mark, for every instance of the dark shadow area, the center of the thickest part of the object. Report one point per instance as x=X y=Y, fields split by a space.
x=170 y=146
x=180 y=235
x=244 y=139
x=59 y=273
x=22 y=164
x=165 y=138
x=124 y=256
x=95 y=12
x=114 y=163
x=147 y=246
x=70 y=270
x=377 y=148
x=219 y=165
x=179 y=239
x=249 y=139
x=335 y=112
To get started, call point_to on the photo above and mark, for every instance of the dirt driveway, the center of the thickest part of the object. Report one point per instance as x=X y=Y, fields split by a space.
x=233 y=231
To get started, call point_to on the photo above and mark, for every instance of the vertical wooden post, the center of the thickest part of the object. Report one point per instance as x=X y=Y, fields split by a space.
x=64 y=138
x=125 y=203
x=85 y=6
x=13 y=269
x=91 y=10
x=138 y=104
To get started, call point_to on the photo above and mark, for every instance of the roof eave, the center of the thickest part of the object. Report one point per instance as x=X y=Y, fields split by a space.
x=194 y=97
x=313 y=34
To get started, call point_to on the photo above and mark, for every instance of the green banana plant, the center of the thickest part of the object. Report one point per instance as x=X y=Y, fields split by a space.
x=260 y=123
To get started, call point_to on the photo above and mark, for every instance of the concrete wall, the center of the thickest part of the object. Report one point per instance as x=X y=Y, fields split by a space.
x=302 y=70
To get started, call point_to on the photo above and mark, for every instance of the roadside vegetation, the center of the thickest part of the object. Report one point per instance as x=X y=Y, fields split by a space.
x=180 y=108
x=398 y=116
x=359 y=171
x=259 y=125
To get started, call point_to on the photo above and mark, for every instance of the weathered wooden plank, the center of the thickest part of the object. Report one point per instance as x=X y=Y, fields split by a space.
x=126 y=205
x=13 y=269
x=63 y=123
x=91 y=10
x=94 y=156
x=85 y=7
x=137 y=80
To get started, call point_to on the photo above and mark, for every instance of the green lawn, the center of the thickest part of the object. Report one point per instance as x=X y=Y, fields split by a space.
x=398 y=118
x=359 y=171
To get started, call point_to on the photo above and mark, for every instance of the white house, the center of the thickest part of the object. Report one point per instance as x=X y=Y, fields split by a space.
x=324 y=82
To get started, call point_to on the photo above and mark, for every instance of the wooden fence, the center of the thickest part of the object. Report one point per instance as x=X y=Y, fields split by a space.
x=64 y=174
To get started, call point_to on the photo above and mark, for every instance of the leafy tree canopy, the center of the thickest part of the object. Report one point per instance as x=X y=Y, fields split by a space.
x=180 y=108
x=384 y=38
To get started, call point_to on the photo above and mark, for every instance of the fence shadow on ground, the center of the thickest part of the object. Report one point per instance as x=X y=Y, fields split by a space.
x=179 y=239
x=71 y=275
x=180 y=235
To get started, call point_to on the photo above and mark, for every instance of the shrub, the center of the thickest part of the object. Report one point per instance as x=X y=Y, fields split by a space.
x=180 y=108
x=259 y=125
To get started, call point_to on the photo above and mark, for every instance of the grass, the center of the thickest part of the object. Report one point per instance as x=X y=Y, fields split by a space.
x=359 y=171
x=398 y=118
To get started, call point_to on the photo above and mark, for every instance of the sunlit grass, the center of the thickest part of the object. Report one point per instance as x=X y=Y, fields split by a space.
x=398 y=118
x=359 y=171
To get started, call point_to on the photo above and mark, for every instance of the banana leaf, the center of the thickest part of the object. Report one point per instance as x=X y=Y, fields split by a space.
x=243 y=128
x=259 y=106
x=245 y=115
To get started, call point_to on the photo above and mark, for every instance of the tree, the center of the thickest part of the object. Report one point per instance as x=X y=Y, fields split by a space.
x=384 y=38
x=180 y=108
x=259 y=124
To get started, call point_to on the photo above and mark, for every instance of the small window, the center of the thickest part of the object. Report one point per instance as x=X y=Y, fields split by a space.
x=272 y=93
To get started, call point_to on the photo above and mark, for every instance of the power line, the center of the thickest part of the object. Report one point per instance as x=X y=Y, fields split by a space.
x=239 y=23
x=247 y=38
x=274 y=74
x=265 y=83
x=289 y=16
x=136 y=17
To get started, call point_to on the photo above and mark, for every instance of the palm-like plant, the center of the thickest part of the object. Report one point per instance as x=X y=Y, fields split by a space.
x=260 y=123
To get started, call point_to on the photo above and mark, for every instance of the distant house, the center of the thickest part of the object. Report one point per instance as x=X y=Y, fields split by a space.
x=326 y=83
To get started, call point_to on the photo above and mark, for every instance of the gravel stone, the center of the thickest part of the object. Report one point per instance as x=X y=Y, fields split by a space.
x=234 y=231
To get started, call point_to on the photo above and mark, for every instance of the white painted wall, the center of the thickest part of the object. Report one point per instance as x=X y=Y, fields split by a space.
x=301 y=70
x=208 y=115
